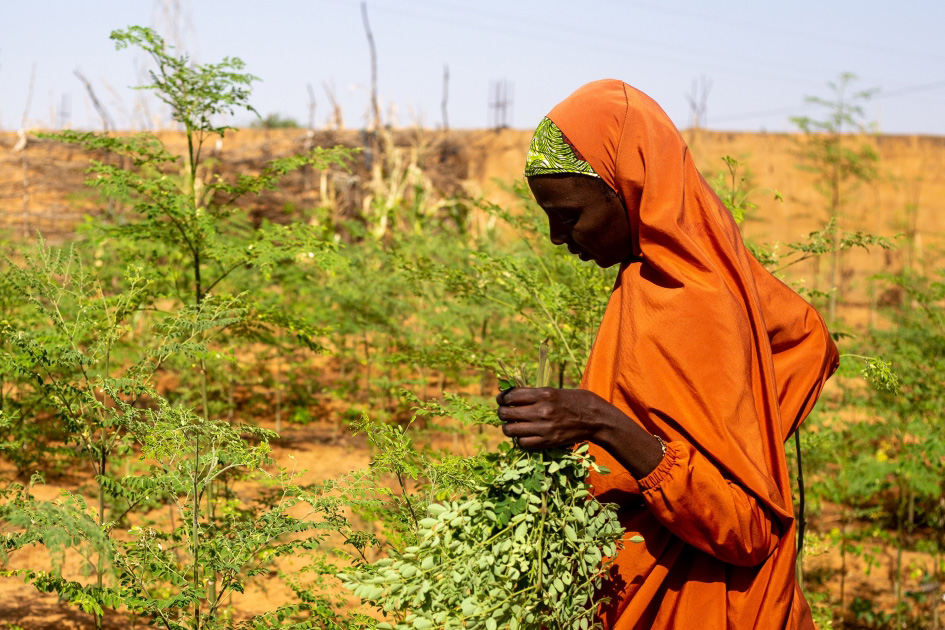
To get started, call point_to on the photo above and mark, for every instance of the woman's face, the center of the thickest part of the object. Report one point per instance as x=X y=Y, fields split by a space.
x=586 y=215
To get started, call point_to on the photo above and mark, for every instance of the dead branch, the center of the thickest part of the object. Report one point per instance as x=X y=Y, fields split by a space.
x=375 y=107
x=446 y=85
x=102 y=112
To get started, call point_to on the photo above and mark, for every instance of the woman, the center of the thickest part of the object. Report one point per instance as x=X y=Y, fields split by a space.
x=704 y=364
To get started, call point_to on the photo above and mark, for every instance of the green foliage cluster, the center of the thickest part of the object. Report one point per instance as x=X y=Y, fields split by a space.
x=524 y=548
x=84 y=339
x=885 y=469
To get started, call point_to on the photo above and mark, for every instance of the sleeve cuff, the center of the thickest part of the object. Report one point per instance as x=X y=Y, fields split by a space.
x=656 y=477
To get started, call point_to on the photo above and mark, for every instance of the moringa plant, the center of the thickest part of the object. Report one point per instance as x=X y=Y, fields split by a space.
x=179 y=571
x=839 y=161
x=163 y=536
x=524 y=548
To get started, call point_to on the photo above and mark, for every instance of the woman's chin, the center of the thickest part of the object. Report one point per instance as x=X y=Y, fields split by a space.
x=605 y=264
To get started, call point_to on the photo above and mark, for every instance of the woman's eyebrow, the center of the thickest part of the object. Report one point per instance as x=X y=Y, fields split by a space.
x=562 y=207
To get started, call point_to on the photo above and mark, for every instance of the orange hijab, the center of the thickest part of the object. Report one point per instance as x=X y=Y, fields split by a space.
x=703 y=347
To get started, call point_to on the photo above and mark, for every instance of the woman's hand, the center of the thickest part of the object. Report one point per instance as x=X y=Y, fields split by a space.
x=547 y=417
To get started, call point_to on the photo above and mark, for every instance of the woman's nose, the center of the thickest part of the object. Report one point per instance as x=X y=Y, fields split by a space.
x=558 y=235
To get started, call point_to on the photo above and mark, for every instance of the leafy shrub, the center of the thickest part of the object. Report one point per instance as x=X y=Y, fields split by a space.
x=525 y=550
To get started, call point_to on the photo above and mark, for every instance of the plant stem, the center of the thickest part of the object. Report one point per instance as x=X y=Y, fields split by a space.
x=900 y=523
x=541 y=525
x=843 y=562
x=367 y=365
x=403 y=491
x=100 y=569
x=802 y=519
x=194 y=535
x=278 y=387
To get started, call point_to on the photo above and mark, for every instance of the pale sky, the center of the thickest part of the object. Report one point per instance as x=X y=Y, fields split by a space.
x=760 y=58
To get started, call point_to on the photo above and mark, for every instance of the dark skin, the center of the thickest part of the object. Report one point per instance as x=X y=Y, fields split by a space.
x=586 y=215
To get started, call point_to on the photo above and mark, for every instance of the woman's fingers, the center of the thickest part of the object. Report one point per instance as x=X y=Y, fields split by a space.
x=528 y=413
x=525 y=395
x=526 y=429
x=534 y=443
x=531 y=435
x=544 y=417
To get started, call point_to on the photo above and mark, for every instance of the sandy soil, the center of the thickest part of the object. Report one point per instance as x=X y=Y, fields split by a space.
x=316 y=450
x=319 y=451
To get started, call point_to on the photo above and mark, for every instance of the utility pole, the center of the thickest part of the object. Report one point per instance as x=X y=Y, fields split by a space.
x=500 y=104
x=698 y=99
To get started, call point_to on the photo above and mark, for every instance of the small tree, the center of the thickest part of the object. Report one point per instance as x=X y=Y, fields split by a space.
x=95 y=334
x=838 y=162
x=911 y=435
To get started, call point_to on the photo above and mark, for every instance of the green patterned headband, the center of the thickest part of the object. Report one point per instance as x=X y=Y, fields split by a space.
x=550 y=153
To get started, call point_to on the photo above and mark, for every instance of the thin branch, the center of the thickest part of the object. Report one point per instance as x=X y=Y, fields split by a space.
x=29 y=97
x=107 y=123
x=223 y=275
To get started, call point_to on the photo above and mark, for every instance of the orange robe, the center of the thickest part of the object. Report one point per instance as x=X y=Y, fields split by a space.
x=702 y=346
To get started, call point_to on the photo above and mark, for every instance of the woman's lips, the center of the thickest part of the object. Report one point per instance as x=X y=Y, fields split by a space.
x=579 y=253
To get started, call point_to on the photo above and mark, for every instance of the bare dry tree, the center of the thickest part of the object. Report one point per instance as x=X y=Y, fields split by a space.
x=22 y=145
x=309 y=138
x=446 y=85
x=336 y=119
x=142 y=107
x=29 y=97
x=107 y=123
x=375 y=105
x=311 y=107
x=64 y=112
x=173 y=19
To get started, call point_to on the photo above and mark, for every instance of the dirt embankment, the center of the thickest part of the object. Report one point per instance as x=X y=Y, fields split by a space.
x=41 y=187
x=42 y=180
